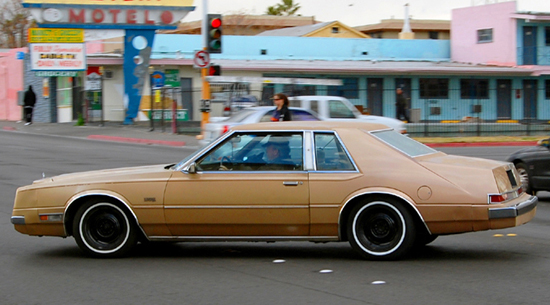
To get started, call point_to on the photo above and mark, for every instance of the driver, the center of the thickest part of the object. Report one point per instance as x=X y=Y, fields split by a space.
x=276 y=154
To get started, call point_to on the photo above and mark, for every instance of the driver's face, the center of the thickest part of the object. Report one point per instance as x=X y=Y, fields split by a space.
x=272 y=152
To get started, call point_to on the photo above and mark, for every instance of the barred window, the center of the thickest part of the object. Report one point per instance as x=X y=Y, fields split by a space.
x=474 y=88
x=484 y=35
x=434 y=88
x=350 y=89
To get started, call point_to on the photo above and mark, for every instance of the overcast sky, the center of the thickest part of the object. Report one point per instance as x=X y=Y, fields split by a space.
x=358 y=12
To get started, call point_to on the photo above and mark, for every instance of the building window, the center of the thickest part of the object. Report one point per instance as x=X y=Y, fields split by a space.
x=485 y=35
x=350 y=89
x=547 y=33
x=547 y=83
x=434 y=88
x=335 y=30
x=433 y=35
x=474 y=88
x=377 y=35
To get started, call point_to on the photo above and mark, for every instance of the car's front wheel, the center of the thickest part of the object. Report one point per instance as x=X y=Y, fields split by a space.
x=524 y=177
x=102 y=229
x=381 y=230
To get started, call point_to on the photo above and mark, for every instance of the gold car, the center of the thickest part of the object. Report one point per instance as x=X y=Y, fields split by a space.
x=288 y=181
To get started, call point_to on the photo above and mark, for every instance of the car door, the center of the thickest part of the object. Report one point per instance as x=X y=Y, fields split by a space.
x=330 y=182
x=233 y=194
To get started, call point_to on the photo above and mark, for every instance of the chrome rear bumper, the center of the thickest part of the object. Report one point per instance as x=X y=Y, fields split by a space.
x=514 y=211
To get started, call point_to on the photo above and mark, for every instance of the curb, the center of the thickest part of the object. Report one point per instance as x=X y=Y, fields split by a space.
x=9 y=128
x=136 y=140
x=481 y=144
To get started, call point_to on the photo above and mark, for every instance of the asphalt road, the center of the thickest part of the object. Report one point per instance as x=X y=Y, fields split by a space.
x=472 y=268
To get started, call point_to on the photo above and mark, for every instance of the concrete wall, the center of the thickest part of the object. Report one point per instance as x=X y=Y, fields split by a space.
x=307 y=48
x=467 y=21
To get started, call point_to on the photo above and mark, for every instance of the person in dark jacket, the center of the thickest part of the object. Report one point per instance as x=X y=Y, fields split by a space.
x=29 y=101
x=401 y=105
x=281 y=113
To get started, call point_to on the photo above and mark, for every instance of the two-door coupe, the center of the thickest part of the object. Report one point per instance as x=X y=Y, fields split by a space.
x=287 y=181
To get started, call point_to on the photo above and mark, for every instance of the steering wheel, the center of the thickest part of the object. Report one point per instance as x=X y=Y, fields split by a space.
x=223 y=167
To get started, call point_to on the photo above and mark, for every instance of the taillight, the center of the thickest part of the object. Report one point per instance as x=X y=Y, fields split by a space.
x=227 y=108
x=225 y=129
x=497 y=198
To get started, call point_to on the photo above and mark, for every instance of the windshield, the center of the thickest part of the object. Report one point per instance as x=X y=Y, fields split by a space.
x=241 y=115
x=403 y=143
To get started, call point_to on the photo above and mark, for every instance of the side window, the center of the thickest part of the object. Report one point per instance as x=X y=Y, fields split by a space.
x=330 y=154
x=255 y=152
x=294 y=103
x=339 y=110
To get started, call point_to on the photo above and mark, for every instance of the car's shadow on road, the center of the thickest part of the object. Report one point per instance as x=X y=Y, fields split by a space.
x=283 y=250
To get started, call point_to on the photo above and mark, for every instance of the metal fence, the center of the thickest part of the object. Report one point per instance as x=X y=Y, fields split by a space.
x=432 y=112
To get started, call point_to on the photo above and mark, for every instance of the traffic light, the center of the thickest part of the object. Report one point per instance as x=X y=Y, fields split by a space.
x=214 y=70
x=214 y=35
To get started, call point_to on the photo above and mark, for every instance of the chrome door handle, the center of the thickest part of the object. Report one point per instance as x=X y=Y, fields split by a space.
x=291 y=183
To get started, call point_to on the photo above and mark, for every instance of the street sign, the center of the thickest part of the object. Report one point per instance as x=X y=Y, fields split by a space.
x=201 y=59
x=158 y=79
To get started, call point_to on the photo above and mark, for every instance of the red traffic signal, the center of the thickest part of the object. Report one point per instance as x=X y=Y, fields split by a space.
x=214 y=70
x=214 y=34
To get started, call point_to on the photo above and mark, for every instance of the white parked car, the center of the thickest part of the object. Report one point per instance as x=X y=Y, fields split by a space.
x=218 y=126
x=336 y=108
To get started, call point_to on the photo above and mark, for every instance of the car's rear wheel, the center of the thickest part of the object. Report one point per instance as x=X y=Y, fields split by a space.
x=381 y=230
x=102 y=229
x=524 y=178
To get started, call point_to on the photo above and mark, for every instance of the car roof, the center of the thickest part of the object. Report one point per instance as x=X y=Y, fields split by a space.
x=311 y=125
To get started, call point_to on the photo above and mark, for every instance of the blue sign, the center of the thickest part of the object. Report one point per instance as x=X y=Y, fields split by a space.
x=158 y=79
x=20 y=55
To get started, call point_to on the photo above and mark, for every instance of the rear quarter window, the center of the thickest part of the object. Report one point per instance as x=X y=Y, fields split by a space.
x=402 y=143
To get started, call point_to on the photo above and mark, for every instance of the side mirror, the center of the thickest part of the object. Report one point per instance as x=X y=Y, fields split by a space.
x=544 y=143
x=192 y=168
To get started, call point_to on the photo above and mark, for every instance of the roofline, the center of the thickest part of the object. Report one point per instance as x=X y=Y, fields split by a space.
x=361 y=67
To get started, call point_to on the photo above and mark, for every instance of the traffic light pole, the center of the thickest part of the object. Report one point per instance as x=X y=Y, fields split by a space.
x=204 y=71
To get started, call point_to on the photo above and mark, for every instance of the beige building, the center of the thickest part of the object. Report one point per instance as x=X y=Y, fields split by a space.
x=422 y=29
x=331 y=29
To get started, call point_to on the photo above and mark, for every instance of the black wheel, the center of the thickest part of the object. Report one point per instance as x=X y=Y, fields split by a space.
x=381 y=230
x=524 y=178
x=102 y=229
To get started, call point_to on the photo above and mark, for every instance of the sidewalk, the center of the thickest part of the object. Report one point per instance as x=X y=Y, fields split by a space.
x=111 y=131
x=140 y=133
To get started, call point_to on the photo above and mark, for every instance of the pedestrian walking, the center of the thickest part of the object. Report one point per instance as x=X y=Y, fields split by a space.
x=28 y=103
x=401 y=105
x=281 y=113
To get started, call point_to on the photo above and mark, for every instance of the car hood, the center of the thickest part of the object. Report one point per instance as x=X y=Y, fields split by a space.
x=128 y=174
x=390 y=122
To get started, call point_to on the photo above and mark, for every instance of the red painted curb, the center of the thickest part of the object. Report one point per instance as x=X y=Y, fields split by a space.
x=136 y=140
x=480 y=144
x=9 y=128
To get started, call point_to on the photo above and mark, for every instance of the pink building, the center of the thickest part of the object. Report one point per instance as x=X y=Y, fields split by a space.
x=485 y=34
x=11 y=81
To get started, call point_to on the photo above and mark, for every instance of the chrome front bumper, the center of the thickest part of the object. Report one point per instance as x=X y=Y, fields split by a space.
x=514 y=211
